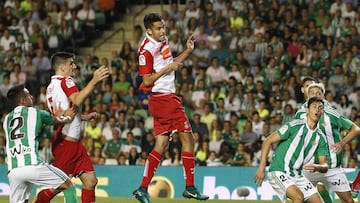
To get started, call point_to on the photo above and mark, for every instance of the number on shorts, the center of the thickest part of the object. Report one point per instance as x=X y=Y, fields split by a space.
x=309 y=186
x=283 y=178
x=16 y=124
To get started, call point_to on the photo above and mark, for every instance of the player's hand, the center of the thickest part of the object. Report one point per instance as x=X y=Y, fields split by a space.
x=259 y=177
x=337 y=147
x=310 y=167
x=93 y=115
x=90 y=116
x=64 y=116
x=100 y=74
x=174 y=66
x=190 y=43
x=71 y=112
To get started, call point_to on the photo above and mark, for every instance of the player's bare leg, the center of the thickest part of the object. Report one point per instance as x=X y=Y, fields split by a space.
x=89 y=181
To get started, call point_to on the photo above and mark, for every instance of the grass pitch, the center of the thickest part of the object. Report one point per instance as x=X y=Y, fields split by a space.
x=4 y=199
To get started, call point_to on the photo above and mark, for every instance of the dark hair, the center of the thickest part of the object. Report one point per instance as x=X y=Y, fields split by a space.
x=314 y=99
x=15 y=93
x=150 y=18
x=60 y=58
x=308 y=78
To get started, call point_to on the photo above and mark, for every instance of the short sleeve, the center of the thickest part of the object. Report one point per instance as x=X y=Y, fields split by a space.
x=146 y=62
x=284 y=131
x=69 y=86
x=45 y=116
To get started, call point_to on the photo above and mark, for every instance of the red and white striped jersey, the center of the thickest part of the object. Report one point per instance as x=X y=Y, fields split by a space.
x=57 y=94
x=154 y=56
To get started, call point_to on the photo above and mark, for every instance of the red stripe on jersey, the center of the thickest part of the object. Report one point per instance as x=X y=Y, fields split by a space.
x=146 y=62
x=68 y=85
x=144 y=88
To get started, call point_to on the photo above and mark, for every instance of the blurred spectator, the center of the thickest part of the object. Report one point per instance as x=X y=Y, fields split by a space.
x=248 y=137
x=96 y=157
x=5 y=85
x=202 y=153
x=6 y=39
x=46 y=150
x=66 y=36
x=345 y=105
x=129 y=143
x=108 y=131
x=17 y=76
x=148 y=142
x=106 y=6
x=94 y=132
x=131 y=127
x=87 y=15
x=43 y=67
x=134 y=157
x=64 y=13
x=214 y=144
x=217 y=72
x=241 y=157
x=55 y=42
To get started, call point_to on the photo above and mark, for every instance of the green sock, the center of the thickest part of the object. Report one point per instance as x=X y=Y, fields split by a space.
x=70 y=195
x=326 y=196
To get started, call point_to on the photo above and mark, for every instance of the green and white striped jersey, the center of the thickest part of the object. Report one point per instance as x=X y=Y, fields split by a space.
x=332 y=123
x=22 y=130
x=297 y=146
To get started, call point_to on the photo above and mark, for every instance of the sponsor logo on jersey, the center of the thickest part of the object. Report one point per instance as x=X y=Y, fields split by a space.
x=20 y=149
x=283 y=129
x=165 y=52
x=69 y=83
x=142 y=60
x=186 y=125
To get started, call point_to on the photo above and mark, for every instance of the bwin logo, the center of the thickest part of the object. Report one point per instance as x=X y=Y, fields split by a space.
x=19 y=150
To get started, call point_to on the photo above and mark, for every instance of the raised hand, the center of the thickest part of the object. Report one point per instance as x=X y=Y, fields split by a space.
x=190 y=43
x=100 y=74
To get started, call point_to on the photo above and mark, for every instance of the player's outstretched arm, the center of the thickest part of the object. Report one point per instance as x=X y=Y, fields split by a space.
x=190 y=44
x=322 y=167
x=89 y=116
x=99 y=75
x=150 y=79
x=353 y=133
x=265 y=149
x=64 y=116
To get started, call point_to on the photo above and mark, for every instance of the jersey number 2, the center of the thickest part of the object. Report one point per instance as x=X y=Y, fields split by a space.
x=16 y=124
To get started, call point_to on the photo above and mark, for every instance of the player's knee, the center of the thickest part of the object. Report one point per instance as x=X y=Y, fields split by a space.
x=66 y=184
x=298 y=197
x=91 y=182
x=348 y=200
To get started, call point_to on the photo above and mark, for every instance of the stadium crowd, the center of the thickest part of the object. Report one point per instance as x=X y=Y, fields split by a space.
x=242 y=82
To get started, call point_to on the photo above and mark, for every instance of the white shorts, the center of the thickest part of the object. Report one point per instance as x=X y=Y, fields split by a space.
x=22 y=180
x=280 y=182
x=334 y=179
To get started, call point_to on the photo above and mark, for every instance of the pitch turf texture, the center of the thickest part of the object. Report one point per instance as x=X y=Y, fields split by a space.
x=133 y=200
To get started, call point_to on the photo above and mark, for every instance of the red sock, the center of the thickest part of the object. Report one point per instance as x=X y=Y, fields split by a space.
x=188 y=160
x=150 y=167
x=44 y=196
x=356 y=182
x=87 y=196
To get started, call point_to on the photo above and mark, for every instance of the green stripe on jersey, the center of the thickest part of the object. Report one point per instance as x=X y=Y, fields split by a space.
x=297 y=146
x=331 y=125
x=23 y=126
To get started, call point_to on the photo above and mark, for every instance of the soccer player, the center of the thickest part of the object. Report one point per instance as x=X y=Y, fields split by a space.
x=157 y=68
x=298 y=141
x=25 y=167
x=332 y=123
x=69 y=153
